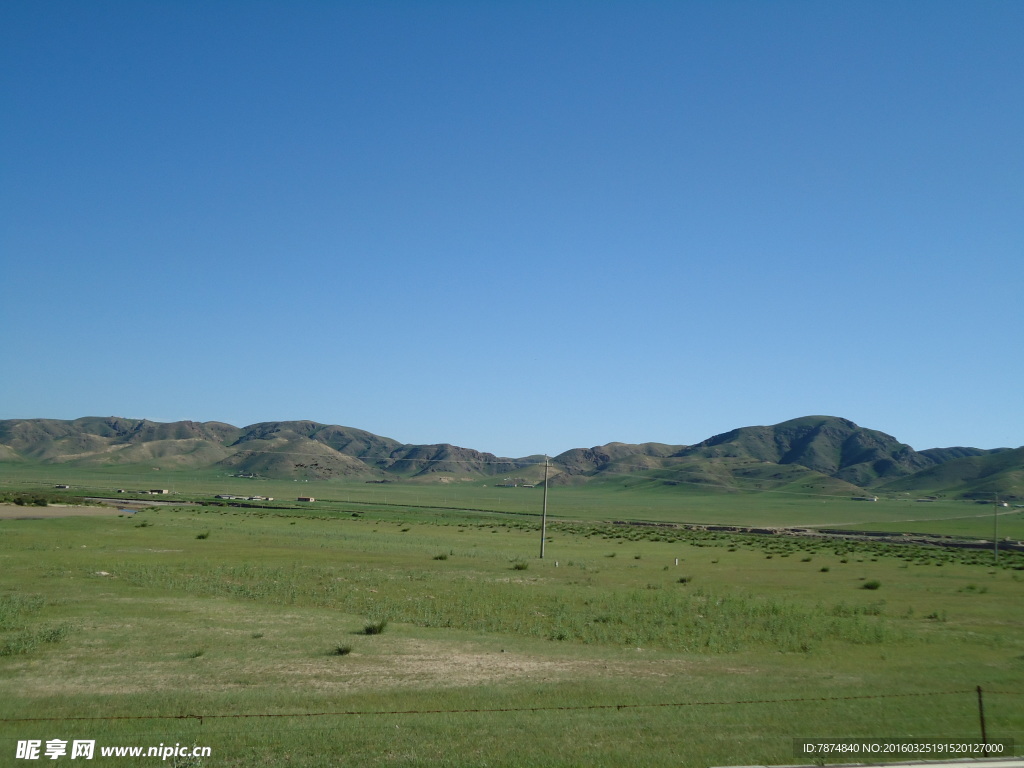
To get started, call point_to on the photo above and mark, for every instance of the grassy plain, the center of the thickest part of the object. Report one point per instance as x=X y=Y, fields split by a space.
x=629 y=499
x=606 y=652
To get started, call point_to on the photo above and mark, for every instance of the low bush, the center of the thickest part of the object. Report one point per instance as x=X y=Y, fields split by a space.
x=28 y=640
x=14 y=608
x=375 y=628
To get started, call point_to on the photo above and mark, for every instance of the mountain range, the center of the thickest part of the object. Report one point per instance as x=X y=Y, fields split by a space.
x=812 y=454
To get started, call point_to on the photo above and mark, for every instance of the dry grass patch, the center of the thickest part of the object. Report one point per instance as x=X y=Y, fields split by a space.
x=16 y=512
x=177 y=644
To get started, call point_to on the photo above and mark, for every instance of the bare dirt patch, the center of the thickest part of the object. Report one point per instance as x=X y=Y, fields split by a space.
x=16 y=512
x=174 y=644
x=418 y=663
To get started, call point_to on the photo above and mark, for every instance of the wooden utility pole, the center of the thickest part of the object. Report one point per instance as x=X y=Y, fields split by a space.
x=544 y=512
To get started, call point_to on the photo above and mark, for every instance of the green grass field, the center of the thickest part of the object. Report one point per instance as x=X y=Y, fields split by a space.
x=606 y=652
x=599 y=502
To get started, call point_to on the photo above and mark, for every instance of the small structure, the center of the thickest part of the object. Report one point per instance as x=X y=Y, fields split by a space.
x=306 y=498
x=62 y=487
x=159 y=491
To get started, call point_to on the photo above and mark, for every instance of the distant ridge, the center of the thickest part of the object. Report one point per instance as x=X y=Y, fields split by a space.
x=811 y=453
x=279 y=449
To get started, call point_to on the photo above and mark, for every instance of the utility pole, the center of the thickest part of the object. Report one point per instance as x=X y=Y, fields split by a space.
x=544 y=513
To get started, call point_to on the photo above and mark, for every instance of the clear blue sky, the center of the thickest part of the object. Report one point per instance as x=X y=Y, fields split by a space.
x=519 y=227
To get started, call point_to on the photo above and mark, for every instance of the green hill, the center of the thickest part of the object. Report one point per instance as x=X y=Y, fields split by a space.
x=279 y=449
x=812 y=454
x=583 y=461
x=833 y=446
x=996 y=474
x=99 y=442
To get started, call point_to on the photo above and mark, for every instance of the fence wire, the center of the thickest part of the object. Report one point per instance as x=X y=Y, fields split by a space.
x=498 y=710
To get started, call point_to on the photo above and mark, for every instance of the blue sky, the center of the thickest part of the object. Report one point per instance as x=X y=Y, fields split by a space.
x=519 y=227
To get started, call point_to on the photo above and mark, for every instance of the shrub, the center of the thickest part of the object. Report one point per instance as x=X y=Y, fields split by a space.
x=873 y=584
x=191 y=761
x=31 y=501
x=53 y=634
x=342 y=650
x=683 y=580
x=520 y=566
x=14 y=608
x=203 y=535
x=375 y=628
x=442 y=556
x=27 y=640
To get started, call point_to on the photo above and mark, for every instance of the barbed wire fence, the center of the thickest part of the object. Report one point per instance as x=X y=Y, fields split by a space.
x=976 y=692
